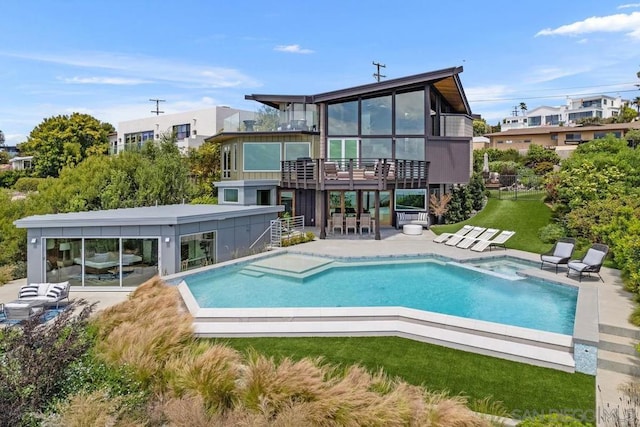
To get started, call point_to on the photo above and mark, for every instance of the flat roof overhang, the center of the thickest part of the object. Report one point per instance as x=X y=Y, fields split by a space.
x=150 y=215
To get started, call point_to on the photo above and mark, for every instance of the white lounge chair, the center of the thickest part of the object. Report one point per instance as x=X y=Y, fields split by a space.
x=454 y=240
x=500 y=240
x=486 y=235
x=445 y=236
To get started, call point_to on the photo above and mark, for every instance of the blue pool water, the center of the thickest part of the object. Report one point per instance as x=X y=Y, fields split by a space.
x=422 y=285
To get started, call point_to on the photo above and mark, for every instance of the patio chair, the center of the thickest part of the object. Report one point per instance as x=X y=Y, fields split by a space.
x=591 y=263
x=454 y=240
x=331 y=170
x=337 y=222
x=445 y=236
x=351 y=223
x=499 y=240
x=487 y=234
x=560 y=254
x=365 y=222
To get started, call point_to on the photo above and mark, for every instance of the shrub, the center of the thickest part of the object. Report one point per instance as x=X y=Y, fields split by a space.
x=19 y=270
x=27 y=184
x=35 y=358
x=10 y=177
x=551 y=233
x=552 y=420
x=6 y=274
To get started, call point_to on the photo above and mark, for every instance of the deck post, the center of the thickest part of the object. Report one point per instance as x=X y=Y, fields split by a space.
x=323 y=214
x=377 y=220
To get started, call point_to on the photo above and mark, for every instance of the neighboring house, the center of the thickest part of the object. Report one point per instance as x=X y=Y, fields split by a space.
x=377 y=148
x=21 y=163
x=601 y=106
x=191 y=127
x=556 y=137
x=126 y=247
x=480 y=142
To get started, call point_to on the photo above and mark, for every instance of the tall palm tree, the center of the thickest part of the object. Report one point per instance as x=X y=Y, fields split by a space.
x=636 y=102
x=523 y=107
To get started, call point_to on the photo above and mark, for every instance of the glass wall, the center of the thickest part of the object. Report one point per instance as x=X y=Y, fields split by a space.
x=369 y=205
x=377 y=148
x=343 y=118
x=410 y=113
x=197 y=250
x=100 y=261
x=410 y=148
x=375 y=117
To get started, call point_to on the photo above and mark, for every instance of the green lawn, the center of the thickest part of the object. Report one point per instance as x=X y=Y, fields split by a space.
x=525 y=217
x=520 y=387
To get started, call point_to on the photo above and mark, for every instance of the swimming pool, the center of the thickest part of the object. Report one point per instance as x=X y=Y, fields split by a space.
x=426 y=284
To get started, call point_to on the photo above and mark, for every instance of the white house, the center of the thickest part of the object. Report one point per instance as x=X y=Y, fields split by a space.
x=601 y=106
x=191 y=127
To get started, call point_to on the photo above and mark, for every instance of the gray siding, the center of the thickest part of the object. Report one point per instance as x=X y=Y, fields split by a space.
x=450 y=160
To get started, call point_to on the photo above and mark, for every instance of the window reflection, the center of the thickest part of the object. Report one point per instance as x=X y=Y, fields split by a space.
x=197 y=250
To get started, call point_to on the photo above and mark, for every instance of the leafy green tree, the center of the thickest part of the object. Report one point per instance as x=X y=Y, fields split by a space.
x=480 y=127
x=537 y=154
x=636 y=102
x=633 y=137
x=204 y=164
x=627 y=114
x=460 y=206
x=4 y=157
x=65 y=141
x=476 y=191
x=523 y=108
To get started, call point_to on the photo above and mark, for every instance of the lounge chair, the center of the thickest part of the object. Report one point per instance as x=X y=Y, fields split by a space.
x=591 y=263
x=454 y=240
x=487 y=234
x=18 y=311
x=445 y=236
x=499 y=240
x=330 y=170
x=560 y=254
x=48 y=294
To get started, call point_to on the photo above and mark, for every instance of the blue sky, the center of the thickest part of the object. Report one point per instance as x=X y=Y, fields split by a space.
x=108 y=58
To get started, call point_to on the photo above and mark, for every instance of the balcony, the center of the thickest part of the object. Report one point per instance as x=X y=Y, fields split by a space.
x=354 y=174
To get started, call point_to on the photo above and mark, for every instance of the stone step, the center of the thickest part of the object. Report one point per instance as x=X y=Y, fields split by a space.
x=627 y=331
x=618 y=344
x=616 y=362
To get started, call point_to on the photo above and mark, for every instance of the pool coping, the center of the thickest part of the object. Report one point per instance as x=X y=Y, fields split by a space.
x=511 y=342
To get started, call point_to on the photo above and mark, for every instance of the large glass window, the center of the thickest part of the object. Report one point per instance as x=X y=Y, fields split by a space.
x=535 y=121
x=261 y=156
x=376 y=116
x=410 y=149
x=182 y=131
x=343 y=118
x=340 y=149
x=197 y=250
x=368 y=204
x=411 y=200
x=410 y=113
x=286 y=199
x=295 y=150
x=377 y=148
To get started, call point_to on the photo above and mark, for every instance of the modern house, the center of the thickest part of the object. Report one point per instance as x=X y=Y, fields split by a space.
x=191 y=127
x=379 y=148
x=21 y=163
x=560 y=138
x=125 y=247
x=601 y=106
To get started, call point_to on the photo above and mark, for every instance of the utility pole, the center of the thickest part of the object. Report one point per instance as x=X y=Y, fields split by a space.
x=377 y=74
x=515 y=110
x=157 y=110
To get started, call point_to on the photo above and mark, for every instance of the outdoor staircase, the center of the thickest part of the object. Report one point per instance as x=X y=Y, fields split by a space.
x=616 y=350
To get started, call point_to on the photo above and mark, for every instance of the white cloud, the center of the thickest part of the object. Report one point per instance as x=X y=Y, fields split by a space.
x=628 y=5
x=143 y=67
x=550 y=73
x=489 y=93
x=583 y=41
x=118 y=81
x=292 y=48
x=621 y=22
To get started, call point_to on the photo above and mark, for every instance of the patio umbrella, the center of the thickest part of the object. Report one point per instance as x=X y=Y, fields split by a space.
x=485 y=165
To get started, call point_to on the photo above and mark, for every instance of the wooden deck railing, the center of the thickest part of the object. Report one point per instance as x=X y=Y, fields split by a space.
x=321 y=174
